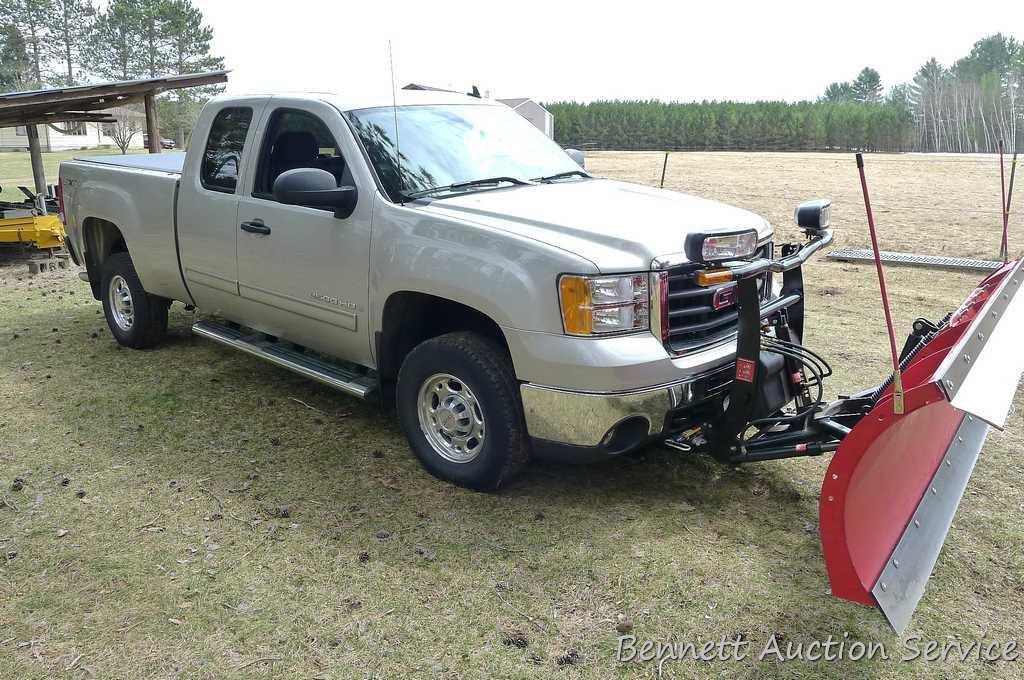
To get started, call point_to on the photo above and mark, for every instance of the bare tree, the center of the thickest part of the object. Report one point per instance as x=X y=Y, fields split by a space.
x=122 y=132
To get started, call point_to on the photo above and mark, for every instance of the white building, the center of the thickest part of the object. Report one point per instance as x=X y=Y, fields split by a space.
x=533 y=112
x=73 y=136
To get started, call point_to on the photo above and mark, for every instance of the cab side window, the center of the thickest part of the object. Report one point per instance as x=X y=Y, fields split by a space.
x=296 y=139
x=222 y=158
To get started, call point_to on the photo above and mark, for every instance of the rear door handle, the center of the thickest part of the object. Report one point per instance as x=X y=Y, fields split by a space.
x=256 y=227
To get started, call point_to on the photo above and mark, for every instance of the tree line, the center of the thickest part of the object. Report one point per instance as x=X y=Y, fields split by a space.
x=62 y=43
x=967 y=107
x=753 y=126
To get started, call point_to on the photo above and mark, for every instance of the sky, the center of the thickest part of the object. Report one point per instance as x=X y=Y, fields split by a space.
x=632 y=49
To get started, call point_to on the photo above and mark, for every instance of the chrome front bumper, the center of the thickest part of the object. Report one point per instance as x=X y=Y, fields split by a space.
x=589 y=419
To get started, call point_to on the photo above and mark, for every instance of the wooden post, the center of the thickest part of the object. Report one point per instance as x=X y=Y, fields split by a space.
x=152 y=126
x=35 y=152
x=664 y=166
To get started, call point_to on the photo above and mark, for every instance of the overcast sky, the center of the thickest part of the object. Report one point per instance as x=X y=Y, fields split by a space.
x=594 y=50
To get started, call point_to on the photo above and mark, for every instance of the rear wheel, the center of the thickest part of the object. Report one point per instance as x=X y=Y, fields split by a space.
x=136 y=318
x=458 y=403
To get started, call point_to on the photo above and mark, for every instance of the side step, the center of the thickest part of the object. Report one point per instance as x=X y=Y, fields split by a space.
x=350 y=379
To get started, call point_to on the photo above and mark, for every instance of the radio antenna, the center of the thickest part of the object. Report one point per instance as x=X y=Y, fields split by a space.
x=394 y=108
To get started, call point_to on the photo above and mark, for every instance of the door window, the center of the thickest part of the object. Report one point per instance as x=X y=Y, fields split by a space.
x=296 y=139
x=222 y=158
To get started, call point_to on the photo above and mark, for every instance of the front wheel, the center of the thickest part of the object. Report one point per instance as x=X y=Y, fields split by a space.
x=458 y=403
x=136 y=318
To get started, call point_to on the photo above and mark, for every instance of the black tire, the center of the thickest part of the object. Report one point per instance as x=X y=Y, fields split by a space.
x=149 y=312
x=486 y=371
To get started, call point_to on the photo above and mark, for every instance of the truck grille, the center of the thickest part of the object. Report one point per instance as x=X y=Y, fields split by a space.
x=693 y=321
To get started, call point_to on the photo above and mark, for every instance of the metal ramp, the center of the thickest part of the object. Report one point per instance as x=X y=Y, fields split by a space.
x=911 y=260
x=348 y=378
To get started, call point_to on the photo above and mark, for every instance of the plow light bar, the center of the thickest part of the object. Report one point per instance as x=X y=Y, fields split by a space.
x=814 y=215
x=721 y=247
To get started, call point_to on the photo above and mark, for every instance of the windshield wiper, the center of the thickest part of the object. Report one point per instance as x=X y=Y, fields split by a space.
x=562 y=175
x=486 y=181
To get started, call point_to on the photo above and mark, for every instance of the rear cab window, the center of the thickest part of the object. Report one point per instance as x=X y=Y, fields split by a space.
x=222 y=158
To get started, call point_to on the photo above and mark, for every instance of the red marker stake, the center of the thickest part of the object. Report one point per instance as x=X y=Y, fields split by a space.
x=897 y=385
x=1009 y=200
x=1003 y=247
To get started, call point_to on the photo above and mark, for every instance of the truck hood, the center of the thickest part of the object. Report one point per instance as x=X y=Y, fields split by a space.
x=616 y=225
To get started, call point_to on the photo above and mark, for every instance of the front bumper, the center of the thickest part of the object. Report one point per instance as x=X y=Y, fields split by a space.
x=577 y=423
x=586 y=425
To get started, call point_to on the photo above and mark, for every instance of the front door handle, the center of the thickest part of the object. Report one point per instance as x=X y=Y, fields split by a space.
x=256 y=227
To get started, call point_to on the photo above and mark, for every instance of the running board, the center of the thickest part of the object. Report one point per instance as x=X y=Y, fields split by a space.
x=346 y=378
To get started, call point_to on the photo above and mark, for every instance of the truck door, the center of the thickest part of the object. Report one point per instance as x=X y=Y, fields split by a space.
x=302 y=272
x=207 y=206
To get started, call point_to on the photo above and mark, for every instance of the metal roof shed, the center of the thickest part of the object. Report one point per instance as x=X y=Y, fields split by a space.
x=86 y=103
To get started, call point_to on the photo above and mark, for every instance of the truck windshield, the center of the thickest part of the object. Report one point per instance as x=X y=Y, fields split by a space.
x=448 y=149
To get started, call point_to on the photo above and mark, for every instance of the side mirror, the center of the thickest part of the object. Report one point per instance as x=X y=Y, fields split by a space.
x=814 y=215
x=577 y=156
x=315 y=188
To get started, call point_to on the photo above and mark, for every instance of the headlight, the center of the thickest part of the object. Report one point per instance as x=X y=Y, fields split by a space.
x=720 y=247
x=598 y=305
x=814 y=215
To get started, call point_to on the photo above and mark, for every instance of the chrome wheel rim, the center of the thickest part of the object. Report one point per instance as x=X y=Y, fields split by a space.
x=451 y=418
x=121 y=307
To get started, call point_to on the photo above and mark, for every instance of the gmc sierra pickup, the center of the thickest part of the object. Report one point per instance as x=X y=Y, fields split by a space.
x=441 y=254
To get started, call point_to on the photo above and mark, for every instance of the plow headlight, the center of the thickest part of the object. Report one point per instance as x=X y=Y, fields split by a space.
x=598 y=305
x=814 y=215
x=721 y=247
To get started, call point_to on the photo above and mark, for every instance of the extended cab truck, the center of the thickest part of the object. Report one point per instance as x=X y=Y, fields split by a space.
x=441 y=252
x=467 y=267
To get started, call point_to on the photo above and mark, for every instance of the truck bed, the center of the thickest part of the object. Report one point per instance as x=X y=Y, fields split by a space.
x=170 y=163
x=136 y=194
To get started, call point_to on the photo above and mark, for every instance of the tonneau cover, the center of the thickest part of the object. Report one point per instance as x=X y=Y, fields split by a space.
x=160 y=162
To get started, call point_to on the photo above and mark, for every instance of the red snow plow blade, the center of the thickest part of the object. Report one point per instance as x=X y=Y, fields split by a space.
x=899 y=470
x=894 y=484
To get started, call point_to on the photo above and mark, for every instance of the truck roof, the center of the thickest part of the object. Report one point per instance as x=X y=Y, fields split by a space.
x=375 y=97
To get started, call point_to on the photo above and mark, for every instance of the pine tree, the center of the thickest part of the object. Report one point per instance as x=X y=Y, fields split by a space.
x=71 y=25
x=113 y=48
x=867 y=86
x=187 y=52
x=15 y=64
x=153 y=22
x=31 y=19
x=839 y=92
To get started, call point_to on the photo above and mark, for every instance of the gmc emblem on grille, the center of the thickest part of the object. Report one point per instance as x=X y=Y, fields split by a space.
x=725 y=297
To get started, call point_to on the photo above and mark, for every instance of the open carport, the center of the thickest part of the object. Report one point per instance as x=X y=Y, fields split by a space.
x=89 y=104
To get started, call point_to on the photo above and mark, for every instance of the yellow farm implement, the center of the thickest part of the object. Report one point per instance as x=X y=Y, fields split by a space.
x=25 y=224
x=39 y=231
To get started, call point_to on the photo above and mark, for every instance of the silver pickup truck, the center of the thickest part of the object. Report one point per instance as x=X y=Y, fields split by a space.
x=440 y=254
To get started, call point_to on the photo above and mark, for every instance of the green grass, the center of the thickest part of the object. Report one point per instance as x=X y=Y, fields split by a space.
x=16 y=168
x=234 y=513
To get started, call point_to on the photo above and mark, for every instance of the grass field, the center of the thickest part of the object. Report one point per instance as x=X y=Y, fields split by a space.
x=189 y=512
